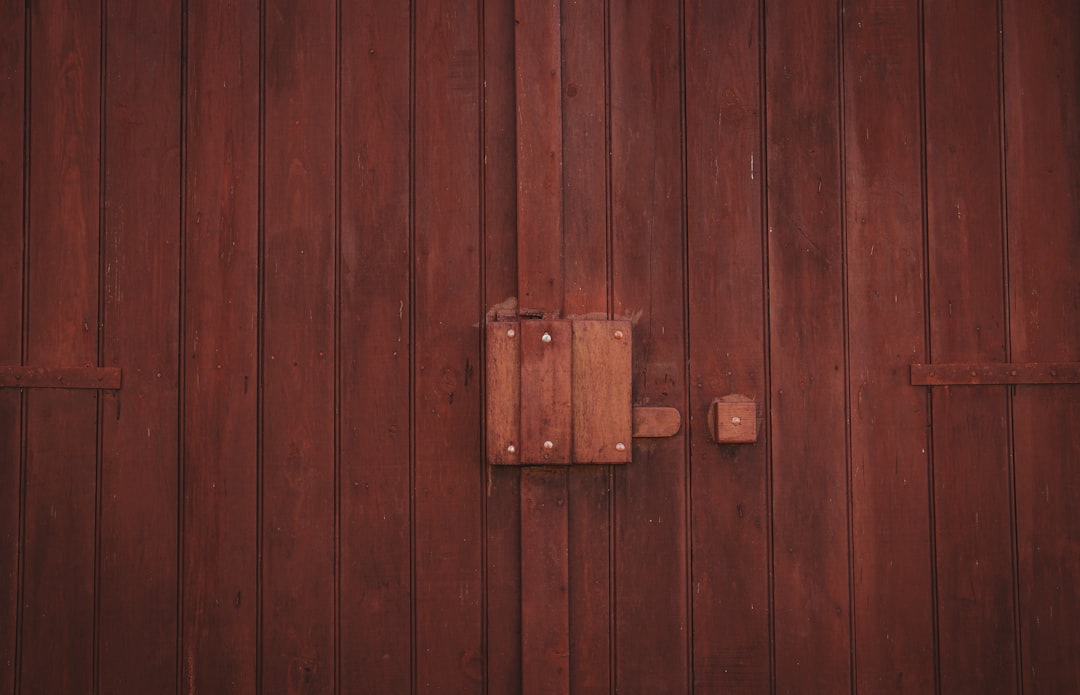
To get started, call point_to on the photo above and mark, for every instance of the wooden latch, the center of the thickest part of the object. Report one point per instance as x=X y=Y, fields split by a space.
x=559 y=392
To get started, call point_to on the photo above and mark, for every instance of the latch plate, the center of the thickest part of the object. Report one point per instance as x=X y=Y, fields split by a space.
x=559 y=391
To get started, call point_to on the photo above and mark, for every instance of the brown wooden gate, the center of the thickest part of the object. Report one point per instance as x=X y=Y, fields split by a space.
x=249 y=250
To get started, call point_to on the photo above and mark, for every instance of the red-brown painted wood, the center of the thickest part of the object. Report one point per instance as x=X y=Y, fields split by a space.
x=1042 y=71
x=502 y=499
x=545 y=613
x=652 y=642
x=893 y=600
x=971 y=486
x=538 y=88
x=995 y=373
x=586 y=235
x=299 y=354
x=60 y=377
x=138 y=512
x=12 y=190
x=807 y=361
x=729 y=492
x=411 y=573
x=448 y=467
x=546 y=418
x=58 y=631
x=375 y=306
x=220 y=387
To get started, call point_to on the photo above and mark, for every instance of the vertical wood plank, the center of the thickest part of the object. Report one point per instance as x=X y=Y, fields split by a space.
x=727 y=353
x=449 y=465
x=298 y=475
x=137 y=597
x=586 y=236
x=58 y=632
x=502 y=520
x=538 y=88
x=502 y=371
x=545 y=609
x=894 y=607
x=220 y=305
x=546 y=418
x=651 y=601
x=376 y=639
x=1042 y=106
x=12 y=250
x=602 y=398
x=806 y=360
x=972 y=508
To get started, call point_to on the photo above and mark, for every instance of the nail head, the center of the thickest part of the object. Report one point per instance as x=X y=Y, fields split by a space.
x=620 y=447
x=546 y=337
x=549 y=444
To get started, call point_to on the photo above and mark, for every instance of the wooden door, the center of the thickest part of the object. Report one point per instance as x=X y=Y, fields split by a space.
x=283 y=225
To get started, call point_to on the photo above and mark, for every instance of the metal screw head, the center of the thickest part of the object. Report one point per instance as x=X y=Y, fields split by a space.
x=549 y=445
x=620 y=447
x=546 y=337
x=510 y=333
x=511 y=449
x=619 y=335
x=736 y=420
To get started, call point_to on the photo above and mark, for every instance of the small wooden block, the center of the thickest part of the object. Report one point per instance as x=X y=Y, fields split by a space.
x=546 y=419
x=602 y=384
x=503 y=407
x=733 y=420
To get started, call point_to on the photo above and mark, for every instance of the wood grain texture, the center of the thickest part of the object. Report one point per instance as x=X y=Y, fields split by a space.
x=220 y=347
x=545 y=628
x=538 y=88
x=893 y=599
x=602 y=417
x=12 y=253
x=502 y=501
x=651 y=596
x=729 y=491
x=991 y=373
x=1042 y=102
x=742 y=181
x=58 y=629
x=502 y=371
x=656 y=421
x=375 y=306
x=449 y=465
x=60 y=377
x=139 y=514
x=299 y=352
x=587 y=278
x=541 y=252
x=546 y=417
x=811 y=596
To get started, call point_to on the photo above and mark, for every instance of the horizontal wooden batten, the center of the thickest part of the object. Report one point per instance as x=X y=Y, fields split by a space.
x=995 y=374
x=60 y=377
